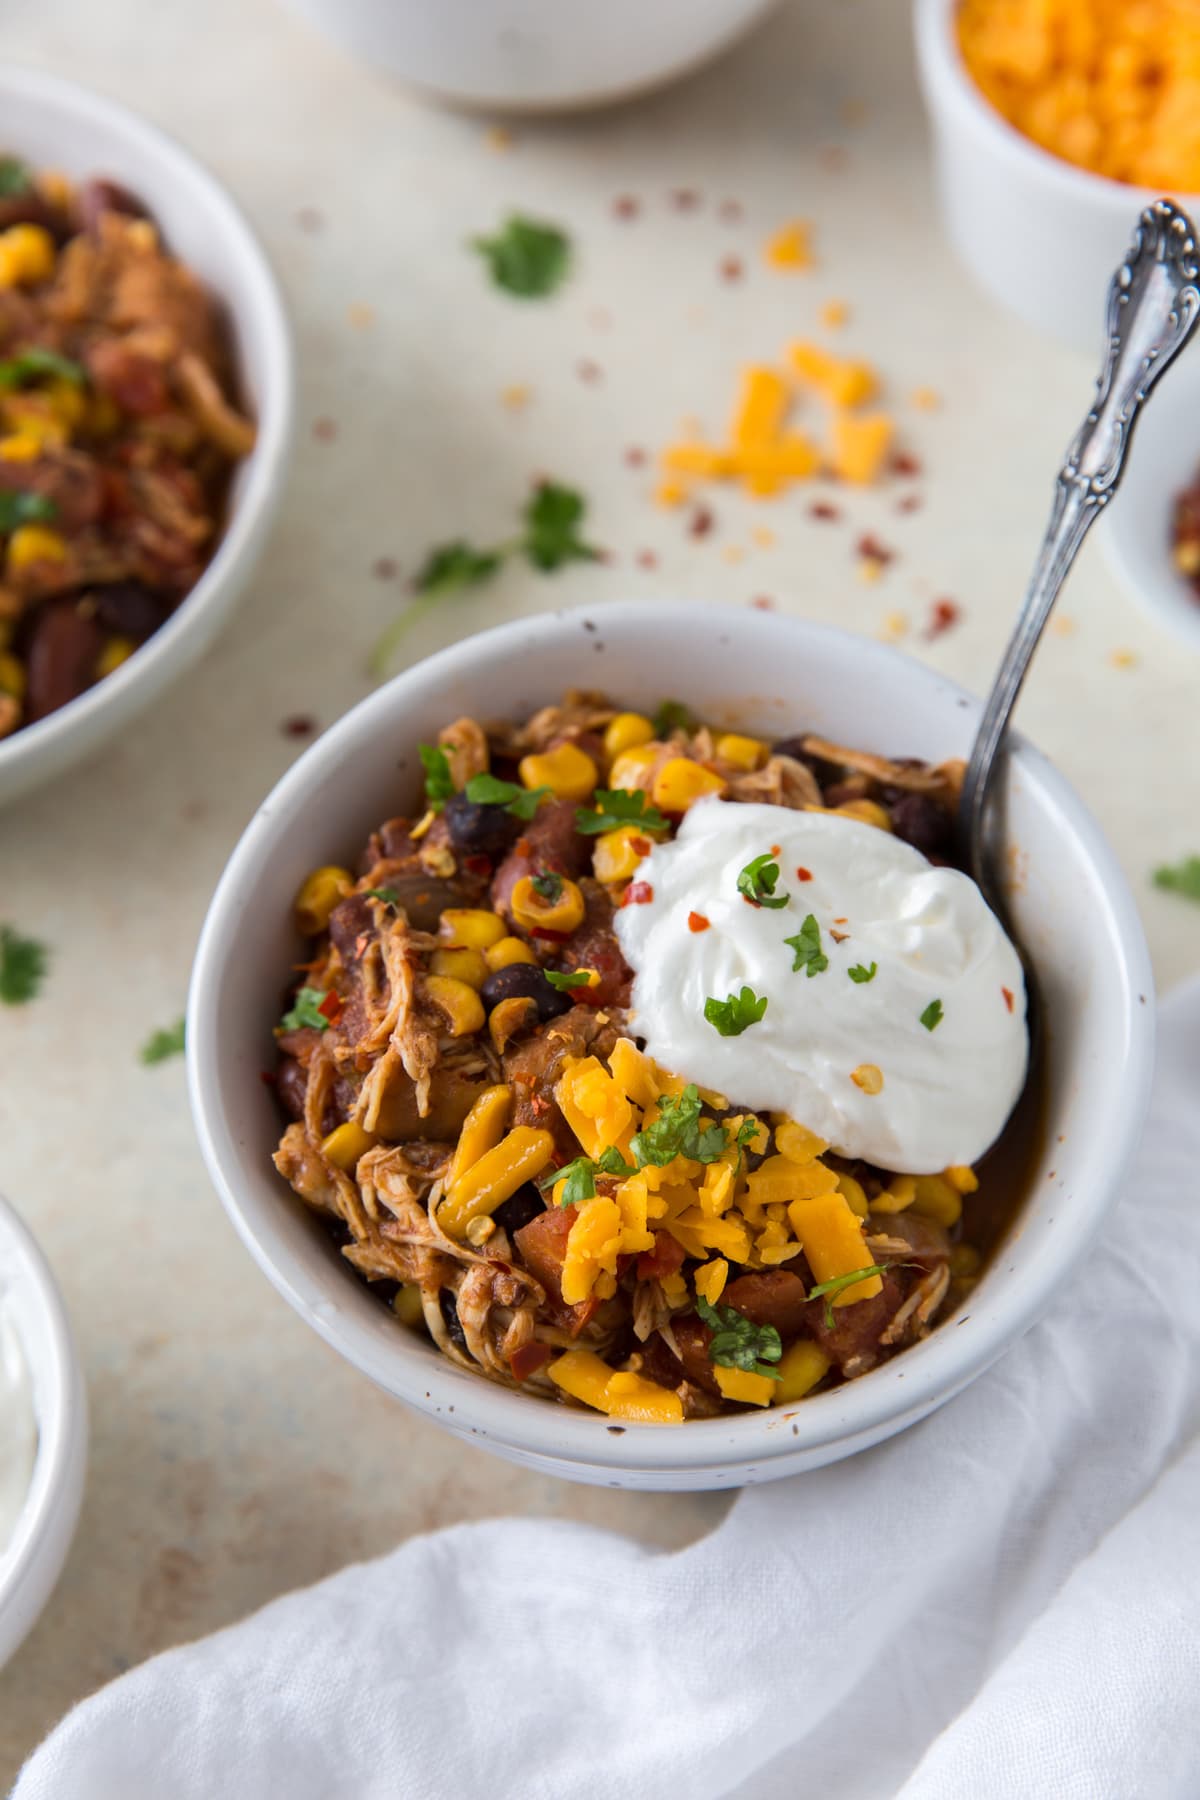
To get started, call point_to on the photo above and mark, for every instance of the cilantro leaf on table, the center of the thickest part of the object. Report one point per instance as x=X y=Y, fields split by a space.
x=553 y=517
x=521 y=802
x=618 y=806
x=757 y=882
x=736 y=1013
x=306 y=1010
x=22 y=966
x=455 y=565
x=161 y=1045
x=737 y=1342
x=24 y=509
x=1180 y=878
x=36 y=363
x=825 y=1290
x=807 y=946
x=528 y=258
x=439 y=782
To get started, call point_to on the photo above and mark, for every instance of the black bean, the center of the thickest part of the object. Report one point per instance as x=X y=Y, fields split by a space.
x=922 y=822
x=479 y=830
x=524 y=981
x=524 y=1206
x=453 y=1322
x=129 y=609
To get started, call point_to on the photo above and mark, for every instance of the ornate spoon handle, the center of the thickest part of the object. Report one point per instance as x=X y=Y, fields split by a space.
x=1153 y=305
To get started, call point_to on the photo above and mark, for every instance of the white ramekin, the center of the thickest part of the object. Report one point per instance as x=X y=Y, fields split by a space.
x=1138 y=527
x=54 y=124
x=32 y=1561
x=534 y=55
x=769 y=673
x=1040 y=234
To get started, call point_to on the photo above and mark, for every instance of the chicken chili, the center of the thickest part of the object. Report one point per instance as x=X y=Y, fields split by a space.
x=472 y=1060
x=117 y=435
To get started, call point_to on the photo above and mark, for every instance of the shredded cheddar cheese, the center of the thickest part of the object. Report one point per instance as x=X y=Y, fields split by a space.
x=1112 y=87
x=790 y=247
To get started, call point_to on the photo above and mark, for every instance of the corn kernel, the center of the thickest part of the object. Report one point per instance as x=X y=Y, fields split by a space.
x=31 y=544
x=12 y=675
x=408 y=1305
x=632 y=770
x=496 y=1177
x=462 y=963
x=472 y=927
x=897 y=1197
x=680 y=782
x=797 y=1142
x=867 y=812
x=506 y=951
x=801 y=1366
x=626 y=732
x=743 y=752
x=965 y=1262
x=26 y=255
x=643 y=1402
x=617 y=853
x=319 y=893
x=567 y=771
x=480 y=1229
x=962 y=1178
x=346 y=1143
x=855 y=1195
x=118 y=650
x=509 y=1018
x=19 y=446
x=458 y=1003
x=936 y=1199
x=868 y=1077
x=534 y=912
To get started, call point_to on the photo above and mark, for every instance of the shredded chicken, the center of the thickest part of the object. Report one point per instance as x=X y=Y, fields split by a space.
x=943 y=779
x=782 y=781
x=466 y=747
x=919 y=1307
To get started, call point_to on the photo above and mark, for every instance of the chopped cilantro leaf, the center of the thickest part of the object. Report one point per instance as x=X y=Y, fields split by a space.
x=931 y=1018
x=748 y=1132
x=563 y=980
x=387 y=894
x=33 y=364
x=736 y=1012
x=618 y=806
x=757 y=881
x=578 y=1178
x=24 y=509
x=1180 y=878
x=14 y=177
x=671 y=716
x=862 y=974
x=163 y=1044
x=552 y=520
x=22 y=966
x=439 y=782
x=737 y=1342
x=825 y=1290
x=549 y=884
x=807 y=945
x=521 y=802
x=611 y=1162
x=677 y=1132
x=526 y=258
x=306 y=1010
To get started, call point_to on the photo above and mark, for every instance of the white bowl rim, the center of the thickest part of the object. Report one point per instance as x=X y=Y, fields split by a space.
x=32 y=1560
x=247 y=524
x=930 y=1372
x=938 y=49
x=1137 y=553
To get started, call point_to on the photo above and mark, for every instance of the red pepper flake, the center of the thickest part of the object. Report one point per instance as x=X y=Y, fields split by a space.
x=803 y=874
x=824 y=509
x=839 y=937
x=299 y=725
x=522 y=847
x=647 y=559
x=763 y=603
x=638 y=893
x=331 y=1007
x=909 y=503
x=589 y=371
x=385 y=568
x=309 y=218
x=905 y=463
x=731 y=212
x=626 y=206
x=527 y=1359
x=1008 y=998
x=641 y=845
x=944 y=615
x=701 y=522
x=834 y=158
x=698 y=922
x=477 y=865
x=776 y=850
x=841 y=921
x=731 y=268
x=684 y=199
x=635 y=457
x=551 y=937
x=870 y=547
x=268 y=1077
x=324 y=430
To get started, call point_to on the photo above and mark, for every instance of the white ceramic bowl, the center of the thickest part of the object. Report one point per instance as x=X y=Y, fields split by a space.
x=31 y=1562
x=1137 y=530
x=54 y=124
x=766 y=672
x=1040 y=234
x=534 y=55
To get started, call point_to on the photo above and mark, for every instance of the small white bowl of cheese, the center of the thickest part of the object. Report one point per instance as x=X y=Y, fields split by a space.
x=43 y=1432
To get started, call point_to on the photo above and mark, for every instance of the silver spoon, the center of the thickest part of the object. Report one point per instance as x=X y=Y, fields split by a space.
x=1153 y=306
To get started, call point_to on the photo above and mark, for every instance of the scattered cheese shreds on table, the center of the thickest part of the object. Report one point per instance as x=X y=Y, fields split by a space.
x=790 y=247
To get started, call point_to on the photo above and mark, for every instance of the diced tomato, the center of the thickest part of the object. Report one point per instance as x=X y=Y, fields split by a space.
x=803 y=874
x=638 y=893
x=528 y=1360
x=698 y=922
x=331 y=1007
x=543 y=1247
x=666 y=1258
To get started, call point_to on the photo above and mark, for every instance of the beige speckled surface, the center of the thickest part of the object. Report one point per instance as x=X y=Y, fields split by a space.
x=233 y=1455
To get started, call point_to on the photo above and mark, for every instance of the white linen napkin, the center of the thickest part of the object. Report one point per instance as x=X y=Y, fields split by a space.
x=1004 y=1600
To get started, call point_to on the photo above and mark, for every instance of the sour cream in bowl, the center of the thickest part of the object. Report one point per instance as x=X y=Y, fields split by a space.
x=819 y=967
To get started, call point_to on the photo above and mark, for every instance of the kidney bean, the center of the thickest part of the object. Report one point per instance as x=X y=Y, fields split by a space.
x=60 y=657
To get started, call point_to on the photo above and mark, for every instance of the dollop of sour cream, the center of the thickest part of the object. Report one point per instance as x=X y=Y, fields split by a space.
x=941 y=1018
x=18 y=1428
